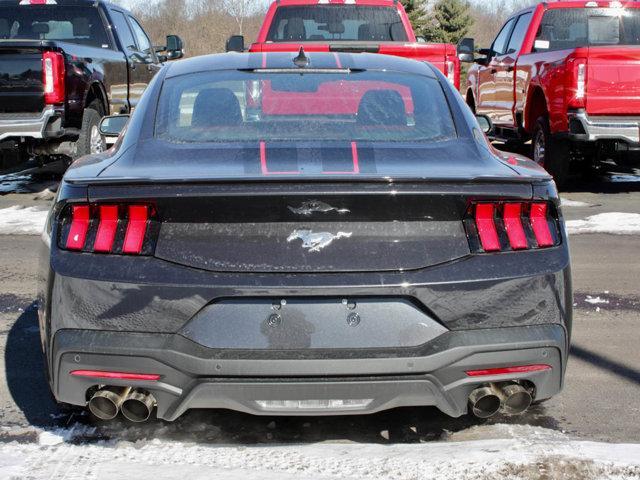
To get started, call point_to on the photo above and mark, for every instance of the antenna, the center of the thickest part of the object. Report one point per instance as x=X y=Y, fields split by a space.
x=301 y=60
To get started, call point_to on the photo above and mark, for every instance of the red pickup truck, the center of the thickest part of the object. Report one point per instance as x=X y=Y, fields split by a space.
x=374 y=26
x=567 y=76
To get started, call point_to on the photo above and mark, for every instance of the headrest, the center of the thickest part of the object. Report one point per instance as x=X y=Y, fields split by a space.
x=382 y=107
x=81 y=27
x=364 y=32
x=295 y=30
x=216 y=107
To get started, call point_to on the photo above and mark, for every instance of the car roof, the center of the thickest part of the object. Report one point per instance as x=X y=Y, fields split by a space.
x=284 y=60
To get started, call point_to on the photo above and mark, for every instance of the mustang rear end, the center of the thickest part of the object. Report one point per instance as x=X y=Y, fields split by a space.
x=302 y=263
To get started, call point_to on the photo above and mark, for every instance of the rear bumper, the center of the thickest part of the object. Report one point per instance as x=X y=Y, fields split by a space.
x=584 y=127
x=194 y=376
x=35 y=126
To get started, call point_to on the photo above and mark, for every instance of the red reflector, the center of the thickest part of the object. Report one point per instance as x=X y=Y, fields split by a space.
x=118 y=375
x=136 y=229
x=513 y=225
x=540 y=225
x=79 y=227
x=507 y=370
x=487 y=227
x=107 y=228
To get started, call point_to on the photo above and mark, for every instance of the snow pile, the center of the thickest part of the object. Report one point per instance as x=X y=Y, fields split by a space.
x=611 y=222
x=18 y=220
x=531 y=453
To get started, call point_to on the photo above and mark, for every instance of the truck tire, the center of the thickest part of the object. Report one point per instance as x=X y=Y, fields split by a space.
x=90 y=139
x=550 y=153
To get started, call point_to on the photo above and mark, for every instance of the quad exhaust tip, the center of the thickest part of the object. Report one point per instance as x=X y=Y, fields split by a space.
x=105 y=403
x=509 y=398
x=135 y=405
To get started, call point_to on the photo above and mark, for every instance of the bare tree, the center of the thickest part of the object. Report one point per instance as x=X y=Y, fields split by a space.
x=240 y=10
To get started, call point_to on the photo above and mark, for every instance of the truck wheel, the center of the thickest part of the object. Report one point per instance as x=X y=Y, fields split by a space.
x=90 y=139
x=550 y=153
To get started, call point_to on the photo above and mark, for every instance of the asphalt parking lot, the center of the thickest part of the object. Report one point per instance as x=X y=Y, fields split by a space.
x=600 y=401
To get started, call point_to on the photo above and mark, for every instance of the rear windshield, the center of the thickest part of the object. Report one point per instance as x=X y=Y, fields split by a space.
x=336 y=23
x=236 y=106
x=81 y=25
x=566 y=28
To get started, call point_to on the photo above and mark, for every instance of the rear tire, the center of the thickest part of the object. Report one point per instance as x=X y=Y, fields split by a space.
x=550 y=153
x=90 y=140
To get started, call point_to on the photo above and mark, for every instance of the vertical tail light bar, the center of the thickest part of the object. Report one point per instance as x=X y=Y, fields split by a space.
x=511 y=216
x=540 y=225
x=576 y=86
x=53 y=73
x=106 y=228
x=450 y=71
x=116 y=229
x=136 y=229
x=511 y=226
x=79 y=227
x=487 y=227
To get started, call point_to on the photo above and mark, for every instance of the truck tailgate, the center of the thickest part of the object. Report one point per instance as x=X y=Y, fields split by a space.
x=613 y=80
x=21 y=85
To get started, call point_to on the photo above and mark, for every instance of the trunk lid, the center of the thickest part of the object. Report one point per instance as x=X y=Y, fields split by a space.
x=21 y=85
x=613 y=80
x=222 y=214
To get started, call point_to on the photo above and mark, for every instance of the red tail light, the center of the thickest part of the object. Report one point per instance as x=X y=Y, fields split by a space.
x=79 y=226
x=508 y=226
x=487 y=227
x=53 y=77
x=128 y=229
x=576 y=84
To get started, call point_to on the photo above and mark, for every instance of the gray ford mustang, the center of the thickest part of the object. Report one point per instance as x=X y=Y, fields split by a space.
x=304 y=234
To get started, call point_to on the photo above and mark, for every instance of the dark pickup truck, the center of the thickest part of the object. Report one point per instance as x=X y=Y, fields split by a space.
x=63 y=65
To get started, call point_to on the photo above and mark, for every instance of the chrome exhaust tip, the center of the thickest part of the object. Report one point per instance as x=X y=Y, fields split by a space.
x=516 y=399
x=484 y=402
x=137 y=406
x=105 y=403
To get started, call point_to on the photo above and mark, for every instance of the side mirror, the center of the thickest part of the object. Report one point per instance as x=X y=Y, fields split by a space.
x=466 y=47
x=235 y=44
x=113 y=125
x=175 y=47
x=485 y=124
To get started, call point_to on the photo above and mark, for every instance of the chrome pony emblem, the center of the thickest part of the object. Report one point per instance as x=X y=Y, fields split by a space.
x=316 y=241
x=307 y=208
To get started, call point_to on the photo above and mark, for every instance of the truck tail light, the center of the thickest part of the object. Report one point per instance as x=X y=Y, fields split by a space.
x=450 y=71
x=576 y=87
x=53 y=77
x=511 y=226
x=113 y=228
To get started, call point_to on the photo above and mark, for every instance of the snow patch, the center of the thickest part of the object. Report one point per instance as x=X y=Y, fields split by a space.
x=18 y=220
x=617 y=223
x=530 y=450
x=595 y=300
x=565 y=202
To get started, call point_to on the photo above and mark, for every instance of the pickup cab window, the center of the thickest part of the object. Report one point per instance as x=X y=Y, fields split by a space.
x=499 y=46
x=568 y=28
x=331 y=23
x=124 y=32
x=519 y=31
x=144 y=44
x=73 y=24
